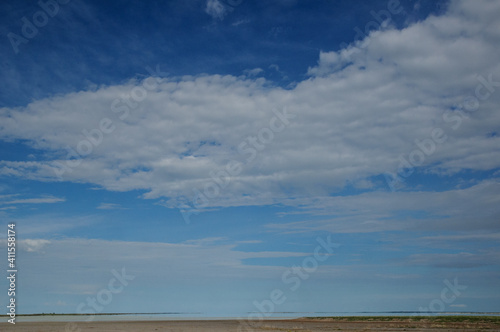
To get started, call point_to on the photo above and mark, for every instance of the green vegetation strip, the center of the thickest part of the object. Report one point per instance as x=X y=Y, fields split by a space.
x=437 y=319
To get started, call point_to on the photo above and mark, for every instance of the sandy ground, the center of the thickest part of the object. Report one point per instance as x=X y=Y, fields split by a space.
x=234 y=325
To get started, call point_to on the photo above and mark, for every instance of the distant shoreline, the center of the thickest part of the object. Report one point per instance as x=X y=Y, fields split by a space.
x=384 y=314
x=106 y=314
x=441 y=318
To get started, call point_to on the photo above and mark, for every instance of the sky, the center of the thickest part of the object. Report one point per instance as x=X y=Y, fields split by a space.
x=229 y=157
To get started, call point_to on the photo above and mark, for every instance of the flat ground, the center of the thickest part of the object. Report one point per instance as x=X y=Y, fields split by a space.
x=351 y=324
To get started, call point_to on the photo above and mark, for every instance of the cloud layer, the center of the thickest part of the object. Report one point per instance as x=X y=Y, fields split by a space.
x=362 y=109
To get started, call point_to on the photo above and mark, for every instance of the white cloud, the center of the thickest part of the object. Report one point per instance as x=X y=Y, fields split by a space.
x=249 y=242
x=354 y=118
x=109 y=206
x=458 y=260
x=39 y=200
x=160 y=262
x=471 y=209
x=51 y=225
x=8 y=196
x=240 y=22
x=253 y=72
x=30 y=245
x=215 y=9
x=43 y=200
x=465 y=237
x=172 y=275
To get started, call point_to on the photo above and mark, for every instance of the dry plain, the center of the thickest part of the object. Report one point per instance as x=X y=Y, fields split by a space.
x=303 y=324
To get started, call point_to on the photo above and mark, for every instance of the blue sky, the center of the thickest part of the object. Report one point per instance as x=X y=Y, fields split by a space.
x=208 y=147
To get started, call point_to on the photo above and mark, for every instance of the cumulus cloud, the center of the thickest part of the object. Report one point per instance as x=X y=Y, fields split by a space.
x=361 y=110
